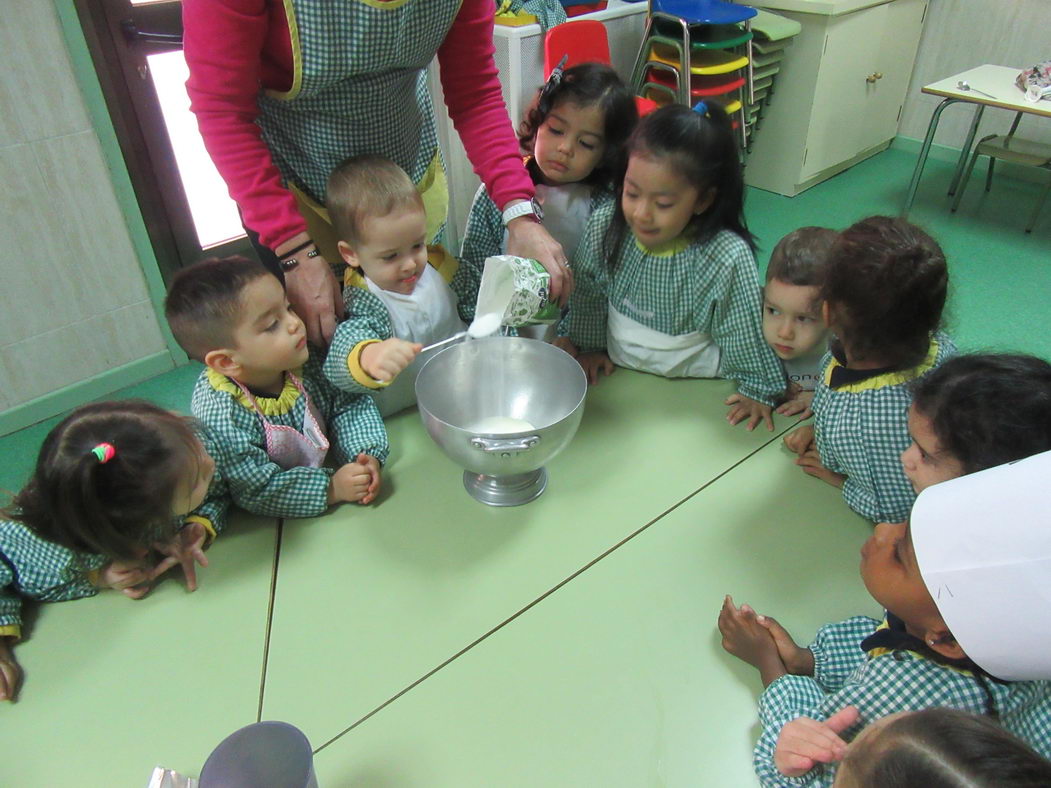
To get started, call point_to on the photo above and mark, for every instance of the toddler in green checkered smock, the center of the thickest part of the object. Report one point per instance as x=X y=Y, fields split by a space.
x=401 y=294
x=792 y=321
x=575 y=132
x=666 y=280
x=964 y=587
x=885 y=287
x=269 y=416
x=121 y=492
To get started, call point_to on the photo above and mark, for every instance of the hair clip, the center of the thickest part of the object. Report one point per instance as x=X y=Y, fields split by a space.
x=553 y=81
x=104 y=452
x=701 y=108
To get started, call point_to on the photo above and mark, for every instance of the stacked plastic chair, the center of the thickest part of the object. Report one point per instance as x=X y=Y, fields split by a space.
x=698 y=50
x=772 y=33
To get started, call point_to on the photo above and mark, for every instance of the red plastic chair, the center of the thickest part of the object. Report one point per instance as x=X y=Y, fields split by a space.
x=583 y=41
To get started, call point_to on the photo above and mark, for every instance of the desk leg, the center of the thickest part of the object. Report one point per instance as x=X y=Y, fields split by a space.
x=966 y=151
x=922 y=160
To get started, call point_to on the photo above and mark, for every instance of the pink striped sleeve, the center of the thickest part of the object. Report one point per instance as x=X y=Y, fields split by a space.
x=476 y=105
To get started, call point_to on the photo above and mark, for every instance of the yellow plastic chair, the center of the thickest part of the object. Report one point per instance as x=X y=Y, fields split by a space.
x=1011 y=149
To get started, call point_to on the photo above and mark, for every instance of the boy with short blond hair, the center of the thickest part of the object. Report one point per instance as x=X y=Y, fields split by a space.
x=402 y=294
x=268 y=412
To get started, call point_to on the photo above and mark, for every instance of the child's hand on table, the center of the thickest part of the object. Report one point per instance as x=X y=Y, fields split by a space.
x=750 y=641
x=383 y=361
x=10 y=671
x=801 y=440
x=186 y=549
x=742 y=407
x=799 y=402
x=810 y=462
x=131 y=578
x=803 y=742
x=357 y=481
x=564 y=343
x=798 y=661
x=593 y=364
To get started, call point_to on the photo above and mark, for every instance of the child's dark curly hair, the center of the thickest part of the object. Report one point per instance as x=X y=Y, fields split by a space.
x=885 y=286
x=116 y=507
x=586 y=85
x=988 y=409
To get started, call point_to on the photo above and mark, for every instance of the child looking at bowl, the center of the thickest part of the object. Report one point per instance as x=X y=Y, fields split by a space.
x=574 y=132
x=268 y=412
x=792 y=322
x=666 y=280
x=401 y=293
x=963 y=628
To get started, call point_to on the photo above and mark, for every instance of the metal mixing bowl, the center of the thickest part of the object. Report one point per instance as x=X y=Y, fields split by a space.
x=502 y=377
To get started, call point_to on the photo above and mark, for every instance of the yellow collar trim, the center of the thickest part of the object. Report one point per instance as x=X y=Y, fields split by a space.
x=268 y=406
x=668 y=249
x=889 y=378
x=297 y=56
x=384 y=4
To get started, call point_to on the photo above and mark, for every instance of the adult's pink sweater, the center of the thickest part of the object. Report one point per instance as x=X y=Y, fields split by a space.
x=234 y=47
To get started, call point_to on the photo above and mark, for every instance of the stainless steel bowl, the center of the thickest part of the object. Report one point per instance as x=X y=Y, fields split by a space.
x=502 y=377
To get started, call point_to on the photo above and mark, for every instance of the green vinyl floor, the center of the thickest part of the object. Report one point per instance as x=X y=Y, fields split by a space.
x=431 y=641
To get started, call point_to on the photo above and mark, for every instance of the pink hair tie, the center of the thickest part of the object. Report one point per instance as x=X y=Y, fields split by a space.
x=104 y=452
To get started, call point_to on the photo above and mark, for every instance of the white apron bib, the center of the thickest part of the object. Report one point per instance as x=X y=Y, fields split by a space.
x=287 y=447
x=427 y=315
x=635 y=346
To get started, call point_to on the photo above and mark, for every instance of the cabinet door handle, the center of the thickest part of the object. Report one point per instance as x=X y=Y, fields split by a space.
x=873 y=77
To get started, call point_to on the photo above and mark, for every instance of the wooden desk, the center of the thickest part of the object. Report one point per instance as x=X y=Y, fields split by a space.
x=999 y=83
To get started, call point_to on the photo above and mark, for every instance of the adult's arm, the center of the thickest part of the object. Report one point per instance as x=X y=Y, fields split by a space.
x=471 y=84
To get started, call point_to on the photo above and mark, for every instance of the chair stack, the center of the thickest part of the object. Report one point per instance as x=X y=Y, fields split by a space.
x=771 y=33
x=699 y=50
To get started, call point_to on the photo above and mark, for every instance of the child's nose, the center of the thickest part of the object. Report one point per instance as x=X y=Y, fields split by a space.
x=785 y=330
x=906 y=456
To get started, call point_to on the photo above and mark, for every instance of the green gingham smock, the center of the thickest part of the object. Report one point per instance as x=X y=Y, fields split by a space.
x=711 y=287
x=361 y=87
x=237 y=442
x=368 y=319
x=883 y=682
x=862 y=428
x=35 y=568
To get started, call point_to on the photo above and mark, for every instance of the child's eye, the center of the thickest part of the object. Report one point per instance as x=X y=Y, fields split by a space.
x=770 y=310
x=553 y=130
x=665 y=206
x=805 y=319
x=388 y=257
x=417 y=247
x=586 y=145
x=273 y=326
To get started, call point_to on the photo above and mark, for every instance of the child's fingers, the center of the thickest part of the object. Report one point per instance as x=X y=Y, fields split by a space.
x=135 y=592
x=10 y=677
x=166 y=564
x=843 y=719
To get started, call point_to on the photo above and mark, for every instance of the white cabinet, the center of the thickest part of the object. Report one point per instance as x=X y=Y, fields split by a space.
x=838 y=97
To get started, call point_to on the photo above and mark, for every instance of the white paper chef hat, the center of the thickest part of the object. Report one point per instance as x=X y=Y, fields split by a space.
x=983 y=545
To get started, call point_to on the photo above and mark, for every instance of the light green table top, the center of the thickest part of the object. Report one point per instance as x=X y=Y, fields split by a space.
x=371 y=599
x=114 y=687
x=367 y=601
x=618 y=678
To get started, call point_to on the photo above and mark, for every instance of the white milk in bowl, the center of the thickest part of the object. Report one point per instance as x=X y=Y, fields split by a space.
x=500 y=425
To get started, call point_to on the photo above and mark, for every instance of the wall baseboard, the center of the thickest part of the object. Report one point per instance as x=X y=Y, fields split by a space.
x=70 y=396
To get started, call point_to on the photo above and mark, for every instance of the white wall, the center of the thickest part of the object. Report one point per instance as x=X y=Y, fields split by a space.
x=74 y=302
x=962 y=34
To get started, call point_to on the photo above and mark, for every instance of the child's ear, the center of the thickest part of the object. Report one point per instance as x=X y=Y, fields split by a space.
x=942 y=641
x=224 y=361
x=704 y=202
x=350 y=257
x=826 y=314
